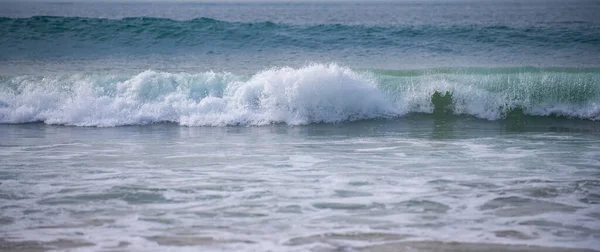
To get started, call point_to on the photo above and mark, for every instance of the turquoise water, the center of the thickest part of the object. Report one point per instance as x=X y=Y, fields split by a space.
x=298 y=126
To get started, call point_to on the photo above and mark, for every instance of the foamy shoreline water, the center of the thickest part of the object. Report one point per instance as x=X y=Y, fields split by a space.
x=319 y=186
x=33 y=246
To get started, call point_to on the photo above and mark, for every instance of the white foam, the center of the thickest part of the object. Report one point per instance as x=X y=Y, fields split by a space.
x=317 y=93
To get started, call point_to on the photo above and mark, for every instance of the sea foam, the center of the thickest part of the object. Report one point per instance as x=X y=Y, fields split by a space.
x=317 y=93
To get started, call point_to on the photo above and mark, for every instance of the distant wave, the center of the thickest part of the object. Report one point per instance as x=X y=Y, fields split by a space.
x=317 y=93
x=67 y=35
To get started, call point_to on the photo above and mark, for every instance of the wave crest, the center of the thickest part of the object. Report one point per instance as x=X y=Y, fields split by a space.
x=317 y=93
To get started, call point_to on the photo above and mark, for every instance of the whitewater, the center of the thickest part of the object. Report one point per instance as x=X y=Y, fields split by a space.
x=317 y=93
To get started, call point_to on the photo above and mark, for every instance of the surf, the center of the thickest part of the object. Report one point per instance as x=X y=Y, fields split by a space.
x=315 y=93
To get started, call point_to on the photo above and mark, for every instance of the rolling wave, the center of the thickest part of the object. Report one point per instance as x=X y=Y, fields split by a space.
x=317 y=93
x=68 y=35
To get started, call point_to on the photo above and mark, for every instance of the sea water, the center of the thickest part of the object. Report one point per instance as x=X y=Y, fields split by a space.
x=299 y=126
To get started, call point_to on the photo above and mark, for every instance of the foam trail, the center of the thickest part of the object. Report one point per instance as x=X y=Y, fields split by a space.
x=317 y=93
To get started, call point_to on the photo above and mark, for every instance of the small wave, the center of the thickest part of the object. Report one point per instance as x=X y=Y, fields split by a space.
x=24 y=36
x=317 y=93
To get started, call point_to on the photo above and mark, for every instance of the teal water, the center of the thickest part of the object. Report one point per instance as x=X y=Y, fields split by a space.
x=249 y=37
x=204 y=35
x=298 y=126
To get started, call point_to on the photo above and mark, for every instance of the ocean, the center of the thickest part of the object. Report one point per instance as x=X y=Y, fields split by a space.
x=300 y=126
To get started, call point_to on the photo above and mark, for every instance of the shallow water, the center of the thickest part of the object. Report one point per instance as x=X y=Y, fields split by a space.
x=296 y=188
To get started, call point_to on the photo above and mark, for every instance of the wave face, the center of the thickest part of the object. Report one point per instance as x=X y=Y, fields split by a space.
x=58 y=36
x=317 y=93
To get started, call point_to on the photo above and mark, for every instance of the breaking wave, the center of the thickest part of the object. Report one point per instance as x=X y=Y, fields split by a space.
x=317 y=93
